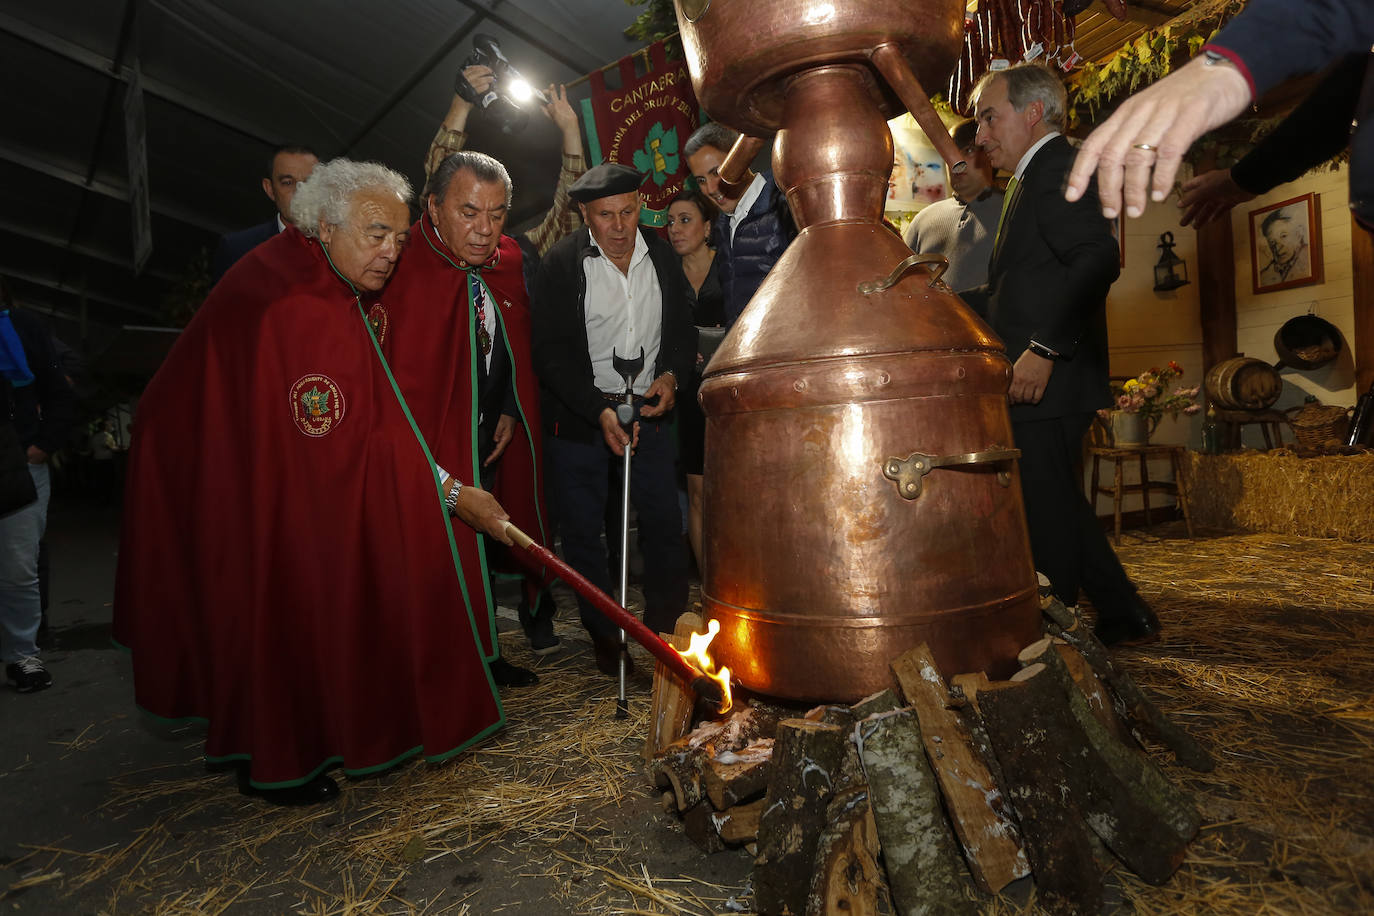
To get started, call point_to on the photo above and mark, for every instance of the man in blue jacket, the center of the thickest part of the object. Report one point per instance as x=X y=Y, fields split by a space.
x=755 y=225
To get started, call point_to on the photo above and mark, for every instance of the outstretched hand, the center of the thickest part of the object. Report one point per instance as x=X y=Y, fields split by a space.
x=1143 y=142
x=558 y=109
x=1208 y=196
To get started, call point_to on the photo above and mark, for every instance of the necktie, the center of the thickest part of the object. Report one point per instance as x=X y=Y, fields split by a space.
x=479 y=302
x=1006 y=205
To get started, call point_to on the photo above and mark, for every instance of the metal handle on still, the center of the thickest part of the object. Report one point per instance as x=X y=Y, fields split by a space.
x=937 y=262
x=908 y=472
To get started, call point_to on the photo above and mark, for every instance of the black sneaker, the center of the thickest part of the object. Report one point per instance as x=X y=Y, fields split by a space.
x=28 y=675
x=541 y=636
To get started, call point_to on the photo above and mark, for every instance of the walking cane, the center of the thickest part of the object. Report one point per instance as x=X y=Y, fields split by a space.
x=629 y=370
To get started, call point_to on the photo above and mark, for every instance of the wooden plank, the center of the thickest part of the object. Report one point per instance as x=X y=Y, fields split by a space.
x=673 y=700
x=982 y=821
x=848 y=880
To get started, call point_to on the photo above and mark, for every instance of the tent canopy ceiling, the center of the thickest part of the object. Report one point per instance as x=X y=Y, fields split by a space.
x=227 y=80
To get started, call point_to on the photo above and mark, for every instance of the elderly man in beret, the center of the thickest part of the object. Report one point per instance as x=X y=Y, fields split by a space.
x=287 y=568
x=611 y=289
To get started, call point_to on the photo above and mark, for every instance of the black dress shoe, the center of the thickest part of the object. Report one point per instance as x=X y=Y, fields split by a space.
x=1135 y=624
x=507 y=675
x=319 y=788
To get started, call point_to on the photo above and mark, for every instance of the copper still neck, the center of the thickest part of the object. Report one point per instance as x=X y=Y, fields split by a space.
x=833 y=156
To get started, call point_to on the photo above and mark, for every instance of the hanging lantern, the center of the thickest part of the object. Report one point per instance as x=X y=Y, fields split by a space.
x=1171 y=272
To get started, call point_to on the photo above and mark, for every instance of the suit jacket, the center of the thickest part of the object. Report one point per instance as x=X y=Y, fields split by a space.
x=571 y=402
x=237 y=244
x=1048 y=278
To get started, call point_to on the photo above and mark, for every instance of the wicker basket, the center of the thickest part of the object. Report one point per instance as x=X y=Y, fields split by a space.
x=1319 y=427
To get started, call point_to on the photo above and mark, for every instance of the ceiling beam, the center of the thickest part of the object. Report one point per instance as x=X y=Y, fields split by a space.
x=19 y=273
x=85 y=251
x=404 y=89
x=116 y=191
x=204 y=108
x=577 y=66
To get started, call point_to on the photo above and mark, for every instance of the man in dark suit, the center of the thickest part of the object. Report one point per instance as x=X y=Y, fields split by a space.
x=1052 y=264
x=288 y=167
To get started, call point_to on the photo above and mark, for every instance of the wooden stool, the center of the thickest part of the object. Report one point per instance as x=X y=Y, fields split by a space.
x=1176 y=487
x=1271 y=424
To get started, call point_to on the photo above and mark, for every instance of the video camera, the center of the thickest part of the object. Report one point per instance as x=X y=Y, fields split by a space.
x=509 y=90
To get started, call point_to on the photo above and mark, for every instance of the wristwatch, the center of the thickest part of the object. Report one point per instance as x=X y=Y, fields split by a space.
x=451 y=497
x=1040 y=349
x=1211 y=58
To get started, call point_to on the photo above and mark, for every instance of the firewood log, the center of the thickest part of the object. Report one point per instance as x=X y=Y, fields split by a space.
x=1098 y=697
x=1141 y=714
x=679 y=770
x=806 y=761
x=733 y=777
x=1141 y=816
x=740 y=824
x=698 y=822
x=882 y=701
x=673 y=700
x=1057 y=842
x=924 y=868
x=847 y=879
x=982 y=821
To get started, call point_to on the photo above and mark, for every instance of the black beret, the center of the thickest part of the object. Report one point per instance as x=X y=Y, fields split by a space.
x=605 y=180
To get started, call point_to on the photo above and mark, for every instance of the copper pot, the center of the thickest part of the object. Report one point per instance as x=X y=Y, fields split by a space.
x=861 y=488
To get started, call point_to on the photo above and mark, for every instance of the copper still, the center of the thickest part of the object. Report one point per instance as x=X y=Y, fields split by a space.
x=862 y=494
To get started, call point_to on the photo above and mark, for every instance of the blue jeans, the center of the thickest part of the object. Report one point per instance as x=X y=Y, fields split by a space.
x=20 y=611
x=577 y=484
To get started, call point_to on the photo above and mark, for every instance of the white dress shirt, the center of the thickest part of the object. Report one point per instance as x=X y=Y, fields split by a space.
x=624 y=313
x=1020 y=172
x=746 y=202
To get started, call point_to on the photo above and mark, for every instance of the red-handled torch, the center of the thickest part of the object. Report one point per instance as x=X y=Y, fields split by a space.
x=536 y=556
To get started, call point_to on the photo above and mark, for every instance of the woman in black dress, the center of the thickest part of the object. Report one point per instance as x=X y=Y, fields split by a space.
x=690 y=216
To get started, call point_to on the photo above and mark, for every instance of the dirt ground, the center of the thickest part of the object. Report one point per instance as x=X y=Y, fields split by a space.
x=1267 y=658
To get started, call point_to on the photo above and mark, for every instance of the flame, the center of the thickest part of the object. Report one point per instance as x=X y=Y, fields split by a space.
x=698 y=655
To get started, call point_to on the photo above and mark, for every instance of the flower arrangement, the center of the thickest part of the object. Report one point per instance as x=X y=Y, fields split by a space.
x=1153 y=395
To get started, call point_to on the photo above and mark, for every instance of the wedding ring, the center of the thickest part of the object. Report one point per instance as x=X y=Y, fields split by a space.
x=1145 y=146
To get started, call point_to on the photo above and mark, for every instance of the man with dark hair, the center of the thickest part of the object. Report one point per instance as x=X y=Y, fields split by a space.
x=614 y=288
x=288 y=167
x=43 y=409
x=755 y=224
x=1052 y=265
x=456 y=329
x=961 y=227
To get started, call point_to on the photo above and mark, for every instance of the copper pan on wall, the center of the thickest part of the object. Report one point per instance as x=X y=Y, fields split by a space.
x=862 y=494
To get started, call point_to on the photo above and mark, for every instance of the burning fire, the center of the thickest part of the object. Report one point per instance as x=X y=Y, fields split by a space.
x=696 y=654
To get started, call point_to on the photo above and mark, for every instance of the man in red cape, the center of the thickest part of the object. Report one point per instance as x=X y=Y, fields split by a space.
x=458 y=340
x=287 y=568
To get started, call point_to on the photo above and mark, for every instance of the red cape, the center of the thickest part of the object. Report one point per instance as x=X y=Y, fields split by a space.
x=429 y=343
x=286 y=568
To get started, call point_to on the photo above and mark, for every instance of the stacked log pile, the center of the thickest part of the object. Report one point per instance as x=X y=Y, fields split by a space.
x=933 y=794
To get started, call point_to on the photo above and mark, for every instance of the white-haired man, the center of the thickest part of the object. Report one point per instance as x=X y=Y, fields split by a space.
x=286 y=569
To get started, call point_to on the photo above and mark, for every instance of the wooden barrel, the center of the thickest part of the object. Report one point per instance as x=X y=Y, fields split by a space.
x=1243 y=383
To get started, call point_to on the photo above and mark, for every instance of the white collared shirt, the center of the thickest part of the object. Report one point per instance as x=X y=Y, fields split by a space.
x=746 y=202
x=624 y=313
x=1030 y=153
x=281 y=223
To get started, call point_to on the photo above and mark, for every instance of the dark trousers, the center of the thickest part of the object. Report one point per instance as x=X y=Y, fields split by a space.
x=1067 y=541
x=578 y=485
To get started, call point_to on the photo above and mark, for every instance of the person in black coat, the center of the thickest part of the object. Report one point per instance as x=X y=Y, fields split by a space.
x=611 y=289
x=1052 y=264
x=288 y=167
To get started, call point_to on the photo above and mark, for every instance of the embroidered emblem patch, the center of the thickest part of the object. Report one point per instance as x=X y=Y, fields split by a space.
x=376 y=316
x=317 y=404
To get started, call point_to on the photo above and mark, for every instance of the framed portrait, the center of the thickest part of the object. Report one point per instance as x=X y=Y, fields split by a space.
x=1286 y=244
x=918 y=172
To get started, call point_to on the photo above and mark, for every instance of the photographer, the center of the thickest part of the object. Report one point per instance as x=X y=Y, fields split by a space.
x=562 y=218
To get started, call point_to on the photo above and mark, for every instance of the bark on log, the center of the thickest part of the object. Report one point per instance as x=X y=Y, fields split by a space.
x=965 y=689
x=982 y=821
x=847 y=878
x=740 y=824
x=734 y=777
x=673 y=700
x=679 y=770
x=1057 y=841
x=1141 y=714
x=882 y=701
x=806 y=761
x=851 y=771
x=924 y=868
x=1126 y=800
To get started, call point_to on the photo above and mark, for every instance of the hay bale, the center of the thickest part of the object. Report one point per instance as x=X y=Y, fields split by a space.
x=1280 y=493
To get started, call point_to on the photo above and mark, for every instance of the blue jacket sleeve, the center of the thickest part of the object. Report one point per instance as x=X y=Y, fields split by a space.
x=1275 y=40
